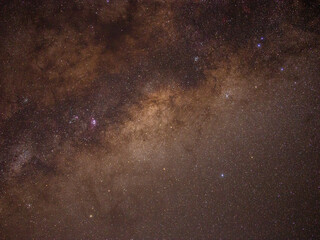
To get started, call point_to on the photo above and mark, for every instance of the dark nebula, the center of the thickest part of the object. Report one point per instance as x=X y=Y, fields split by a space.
x=159 y=119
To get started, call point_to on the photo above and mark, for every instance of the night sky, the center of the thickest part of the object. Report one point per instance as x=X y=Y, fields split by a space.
x=159 y=119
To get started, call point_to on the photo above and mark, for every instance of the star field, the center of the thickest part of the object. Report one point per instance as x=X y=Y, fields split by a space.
x=159 y=119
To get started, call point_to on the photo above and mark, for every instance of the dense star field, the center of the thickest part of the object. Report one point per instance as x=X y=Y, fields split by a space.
x=159 y=119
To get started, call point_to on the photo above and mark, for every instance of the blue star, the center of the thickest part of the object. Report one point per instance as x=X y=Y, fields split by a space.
x=259 y=45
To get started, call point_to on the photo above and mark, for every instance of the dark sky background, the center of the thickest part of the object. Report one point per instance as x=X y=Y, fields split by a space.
x=159 y=119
